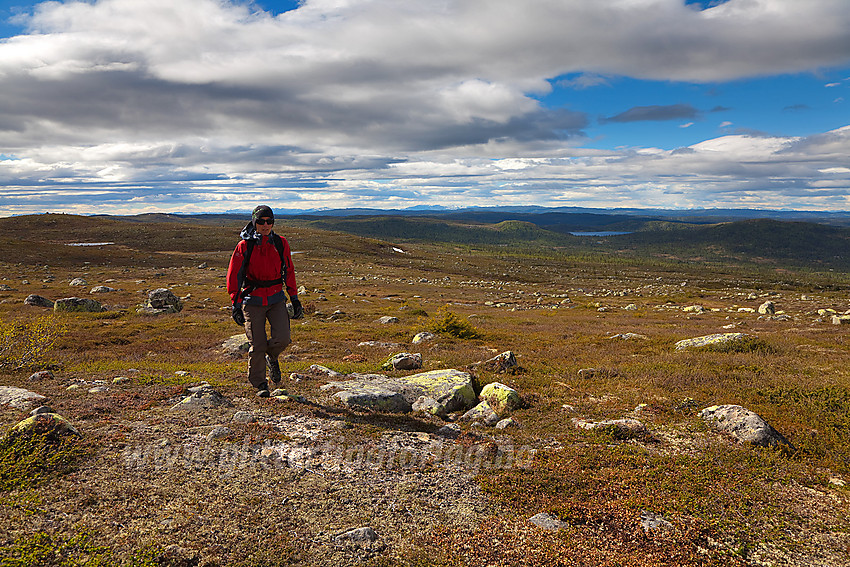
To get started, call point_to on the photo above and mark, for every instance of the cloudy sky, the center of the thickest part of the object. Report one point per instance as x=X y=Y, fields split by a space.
x=127 y=106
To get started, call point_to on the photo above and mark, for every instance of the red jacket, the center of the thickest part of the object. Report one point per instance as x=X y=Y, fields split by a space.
x=264 y=265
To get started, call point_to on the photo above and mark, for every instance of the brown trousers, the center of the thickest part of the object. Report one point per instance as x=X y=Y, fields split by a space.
x=261 y=345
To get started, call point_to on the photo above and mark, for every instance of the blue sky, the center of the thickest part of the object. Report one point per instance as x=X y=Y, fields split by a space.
x=125 y=106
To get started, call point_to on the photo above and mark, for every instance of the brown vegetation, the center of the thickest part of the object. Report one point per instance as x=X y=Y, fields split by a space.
x=141 y=487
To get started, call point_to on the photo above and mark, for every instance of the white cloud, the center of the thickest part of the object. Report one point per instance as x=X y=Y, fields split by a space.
x=205 y=100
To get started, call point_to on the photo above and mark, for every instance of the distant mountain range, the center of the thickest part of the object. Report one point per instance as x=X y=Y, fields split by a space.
x=584 y=216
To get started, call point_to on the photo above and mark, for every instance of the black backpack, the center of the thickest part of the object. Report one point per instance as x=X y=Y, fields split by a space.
x=246 y=286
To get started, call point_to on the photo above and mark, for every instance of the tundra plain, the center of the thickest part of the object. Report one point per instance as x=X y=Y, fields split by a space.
x=593 y=332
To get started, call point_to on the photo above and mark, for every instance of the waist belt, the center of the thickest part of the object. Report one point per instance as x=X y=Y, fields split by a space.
x=254 y=284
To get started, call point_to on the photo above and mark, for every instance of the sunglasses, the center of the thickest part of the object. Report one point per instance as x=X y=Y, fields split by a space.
x=265 y=221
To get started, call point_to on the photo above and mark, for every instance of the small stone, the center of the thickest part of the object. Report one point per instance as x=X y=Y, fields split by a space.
x=98 y=390
x=507 y=423
x=547 y=521
x=102 y=289
x=651 y=522
x=181 y=373
x=319 y=370
x=501 y=362
x=358 y=535
x=451 y=430
x=244 y=417
x=41 y=375
x=236 y=345
x=78 y=282
x=403 y=361
x=73 y=387
x=423 y=337
x=219 y=433
x=767 y=308
x=482 y=412
x=120 y=380
x=42 y=409
x=387 y=320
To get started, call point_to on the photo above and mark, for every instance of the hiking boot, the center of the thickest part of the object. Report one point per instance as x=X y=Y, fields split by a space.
x=262 y=393
x=274 y=369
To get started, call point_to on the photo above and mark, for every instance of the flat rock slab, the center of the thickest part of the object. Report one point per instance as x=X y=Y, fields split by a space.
x=743 y=425
x=452 y=389
x=711 y=340
x=19 y=398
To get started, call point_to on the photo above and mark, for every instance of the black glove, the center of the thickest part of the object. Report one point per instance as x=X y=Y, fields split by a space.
x=297 y=310
x=238 y=315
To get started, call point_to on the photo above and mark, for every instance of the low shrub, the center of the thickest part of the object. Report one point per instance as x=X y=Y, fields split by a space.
x=26 y=344
x=446 y=322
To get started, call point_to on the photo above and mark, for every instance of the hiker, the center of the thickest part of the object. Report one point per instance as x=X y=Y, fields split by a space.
x=259 y=269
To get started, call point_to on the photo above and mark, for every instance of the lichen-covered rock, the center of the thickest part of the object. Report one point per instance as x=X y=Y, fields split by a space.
x=200 y=398
x=388 y=320
x=626 y=428
x=38 y=301
x=502 y=399
x=19 y=398
x=236 y=345
x=45 y=423
x=743 y=425
x=77 y=305
x=452 y=389
x=78 y=282
x=483 y=413
x=710 y=340
x=161 y=301
x=767 y=308
x=422 y=337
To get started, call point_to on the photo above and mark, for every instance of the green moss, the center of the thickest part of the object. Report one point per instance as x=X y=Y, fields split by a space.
x=41 y=549
x=26 y=460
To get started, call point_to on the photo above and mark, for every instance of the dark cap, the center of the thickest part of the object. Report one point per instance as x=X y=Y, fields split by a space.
x=262 y=211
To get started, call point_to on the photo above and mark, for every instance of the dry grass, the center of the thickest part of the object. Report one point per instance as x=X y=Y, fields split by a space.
x=185 y=505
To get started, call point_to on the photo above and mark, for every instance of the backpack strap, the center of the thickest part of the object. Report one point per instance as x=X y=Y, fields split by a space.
x=278 y=243
x=243 y=269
